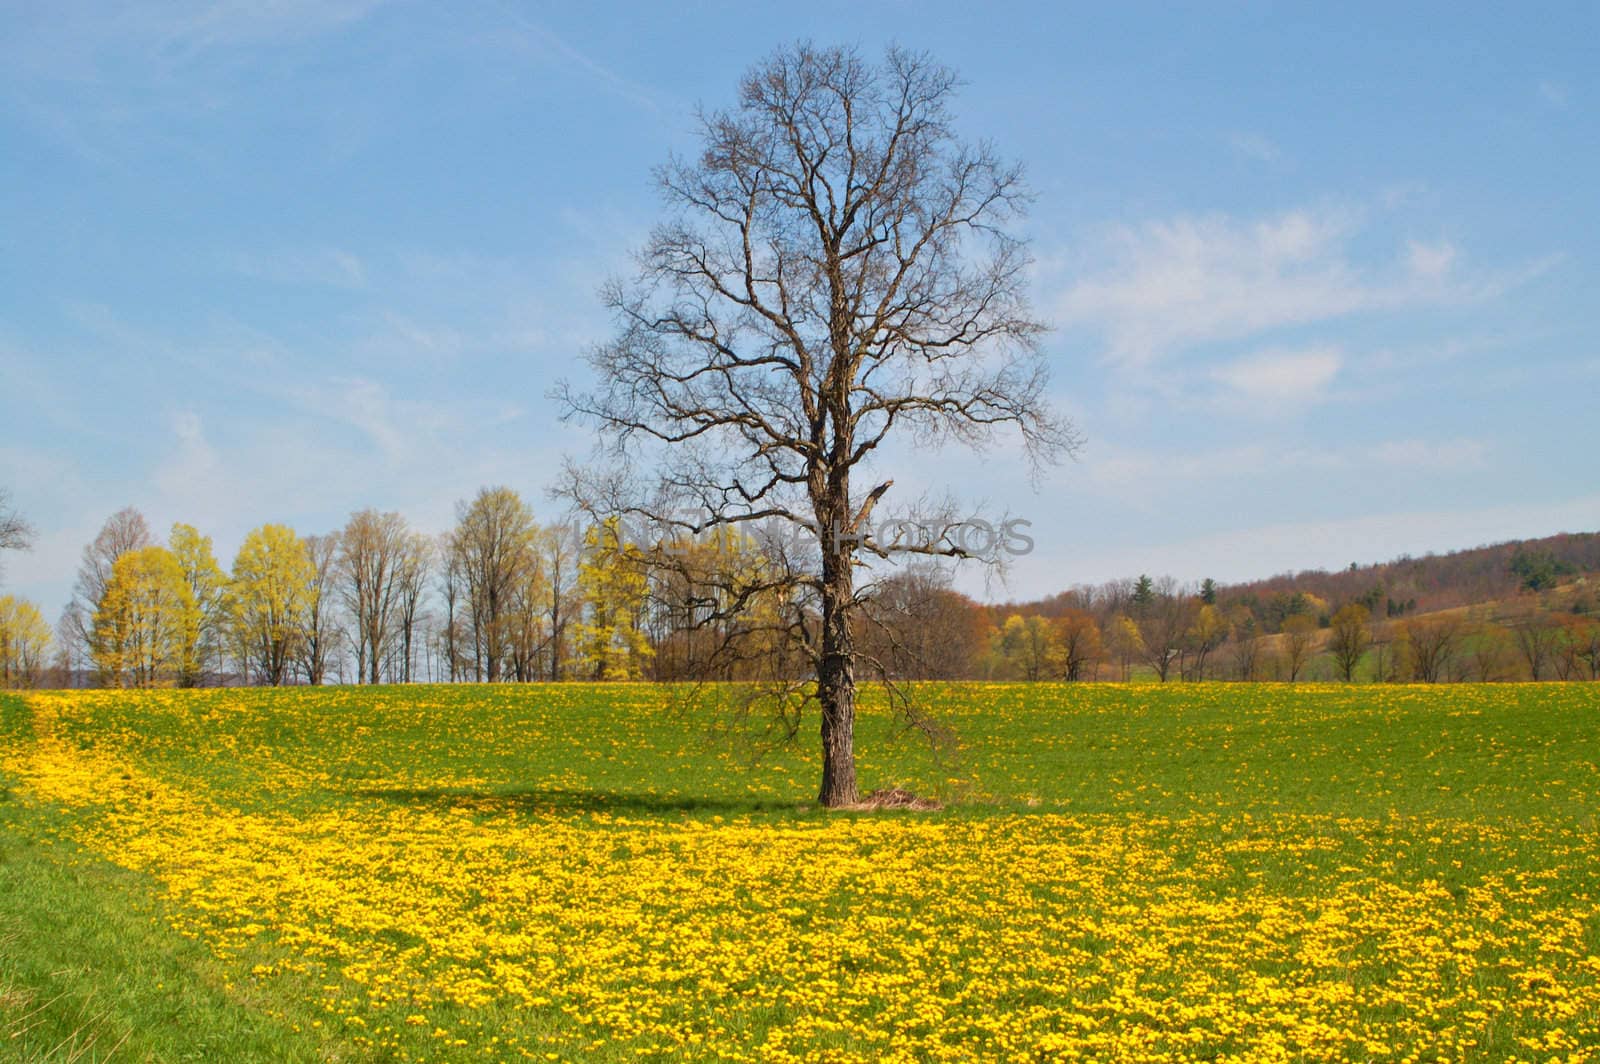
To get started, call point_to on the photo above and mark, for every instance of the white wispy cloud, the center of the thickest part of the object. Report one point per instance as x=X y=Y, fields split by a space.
x=1255 y=146
x=1432 y=455
x=533 y=37
x=1430 y=261
x=1289 y=377
x=1554 y=93
x=1195 y=279
x=77 y=42
x=327 y=267
x=396 y=337
x=216 y=23
x=1175 y=284
x=1135 y=470
x=192 y=477
x=103 y=80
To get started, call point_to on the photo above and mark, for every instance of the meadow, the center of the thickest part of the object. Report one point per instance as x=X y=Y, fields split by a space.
x=585 y=872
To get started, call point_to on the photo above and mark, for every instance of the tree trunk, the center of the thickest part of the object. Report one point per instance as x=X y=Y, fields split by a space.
x=450 y=635
x=555 y=643
x=491 y=644
x=836 y=676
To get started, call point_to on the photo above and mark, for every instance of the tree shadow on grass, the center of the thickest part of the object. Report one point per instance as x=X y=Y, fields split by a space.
x=559 y=800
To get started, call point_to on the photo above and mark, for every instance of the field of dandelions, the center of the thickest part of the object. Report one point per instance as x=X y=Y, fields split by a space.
x=583 y=872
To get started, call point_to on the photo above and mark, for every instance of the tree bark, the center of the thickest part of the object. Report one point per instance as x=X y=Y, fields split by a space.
x=555 y=632
x=836 y=677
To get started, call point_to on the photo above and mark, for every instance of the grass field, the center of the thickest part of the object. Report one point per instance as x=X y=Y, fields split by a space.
x=588 y=873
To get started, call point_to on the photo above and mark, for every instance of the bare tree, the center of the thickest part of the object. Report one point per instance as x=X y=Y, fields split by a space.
x=1246 y=647
x=371 y=549
x=560 y=548
x=1536 y=634
x=321 y=634
x=1567 y=656
x=1164 y=617
x=1299 y=634
x=15 y=533
x=124 y=531
x=1433 y=640
x=1081 y=644
x=70 y=649
x=451 y=581
x=1348 y=637
x=526 y=640
x=836 y=274
x=1491 y=647
x=411 y=582
x=1388 y=648
x=1587 y=637
x=922 y=626
x=490 y=551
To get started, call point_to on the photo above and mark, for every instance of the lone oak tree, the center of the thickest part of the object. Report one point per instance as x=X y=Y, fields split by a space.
x=835 y=273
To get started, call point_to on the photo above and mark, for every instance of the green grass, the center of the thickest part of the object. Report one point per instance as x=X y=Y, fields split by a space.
x=1459 y=751
x=1452 y=787
x=90 y=970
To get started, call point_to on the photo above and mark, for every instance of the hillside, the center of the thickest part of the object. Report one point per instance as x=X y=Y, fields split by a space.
x=1524 y=609
x=1403 y=586
x=1442 y=581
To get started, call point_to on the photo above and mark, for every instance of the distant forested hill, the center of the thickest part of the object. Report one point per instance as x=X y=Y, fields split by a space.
x=1441 y=581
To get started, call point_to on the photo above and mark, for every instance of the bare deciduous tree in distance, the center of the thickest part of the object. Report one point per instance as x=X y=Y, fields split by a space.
x=560 y=546
x=124 y=531
x=15 y=532
x=371 y=554
x=489 y=553
x=416 y=561
x=1163 y=623
x=321 y=636
x=835 y=274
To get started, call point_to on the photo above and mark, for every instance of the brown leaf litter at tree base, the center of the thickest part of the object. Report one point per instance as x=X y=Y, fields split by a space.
x=894 y=798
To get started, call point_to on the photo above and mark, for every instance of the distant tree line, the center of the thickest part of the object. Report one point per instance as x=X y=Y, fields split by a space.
x=1432 y=582
x=24 y=635
x=500 y=597
x=1164 y=631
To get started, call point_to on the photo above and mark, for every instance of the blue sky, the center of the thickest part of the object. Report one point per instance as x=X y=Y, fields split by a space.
x=1322 y=280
